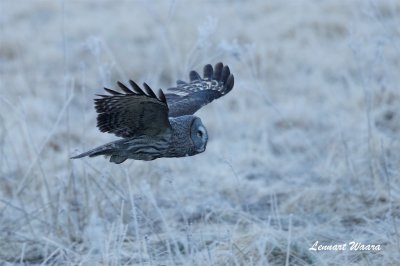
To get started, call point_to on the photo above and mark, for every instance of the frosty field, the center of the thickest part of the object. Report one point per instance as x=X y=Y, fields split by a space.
x=303 y=154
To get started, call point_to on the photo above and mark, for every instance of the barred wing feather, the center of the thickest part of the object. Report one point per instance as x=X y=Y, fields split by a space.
x=188 y=98
x=132 y=113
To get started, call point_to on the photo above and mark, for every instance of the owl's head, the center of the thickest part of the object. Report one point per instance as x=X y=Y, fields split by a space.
x=198 y=135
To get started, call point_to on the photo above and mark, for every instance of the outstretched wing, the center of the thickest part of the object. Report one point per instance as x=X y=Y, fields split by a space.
x=187 y=98
x=132 y=113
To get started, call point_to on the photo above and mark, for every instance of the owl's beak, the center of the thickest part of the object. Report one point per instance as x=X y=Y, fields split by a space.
x=202 y=149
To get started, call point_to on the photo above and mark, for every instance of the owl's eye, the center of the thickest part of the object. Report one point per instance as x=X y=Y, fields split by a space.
x=199 y=133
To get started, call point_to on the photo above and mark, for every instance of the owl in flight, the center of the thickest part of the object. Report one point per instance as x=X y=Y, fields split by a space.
x=154 y=126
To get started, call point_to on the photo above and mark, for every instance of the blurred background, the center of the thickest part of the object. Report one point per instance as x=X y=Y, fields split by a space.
x=305 y=148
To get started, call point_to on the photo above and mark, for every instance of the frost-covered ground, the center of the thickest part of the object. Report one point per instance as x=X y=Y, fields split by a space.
x=305 y=148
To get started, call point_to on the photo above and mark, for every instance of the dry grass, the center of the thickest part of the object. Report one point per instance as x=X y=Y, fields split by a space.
x=304 y=149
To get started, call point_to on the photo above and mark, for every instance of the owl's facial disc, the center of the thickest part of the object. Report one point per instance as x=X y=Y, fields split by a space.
x=202 y=134
x=199 y=135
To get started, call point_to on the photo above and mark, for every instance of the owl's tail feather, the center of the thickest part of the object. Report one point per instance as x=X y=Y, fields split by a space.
x=95 y=152
x=107 y=149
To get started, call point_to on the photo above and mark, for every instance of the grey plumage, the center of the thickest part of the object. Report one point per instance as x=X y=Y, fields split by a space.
x=187 y=98
x=154 y=126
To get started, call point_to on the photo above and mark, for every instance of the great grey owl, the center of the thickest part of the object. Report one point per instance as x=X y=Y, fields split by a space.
x=154 y=126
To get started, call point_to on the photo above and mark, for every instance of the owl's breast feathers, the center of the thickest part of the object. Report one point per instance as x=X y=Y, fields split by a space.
x=181 y=143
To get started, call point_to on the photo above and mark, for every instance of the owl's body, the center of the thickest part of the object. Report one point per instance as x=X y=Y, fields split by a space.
x=159 y=126
x=174 y=142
